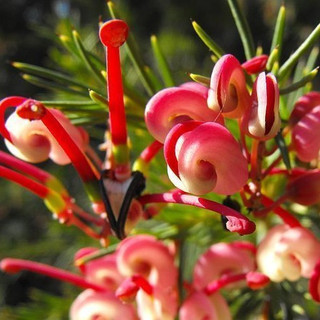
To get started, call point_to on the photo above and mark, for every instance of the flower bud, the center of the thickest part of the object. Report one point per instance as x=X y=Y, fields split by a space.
x=262 y=121
x=228 y=93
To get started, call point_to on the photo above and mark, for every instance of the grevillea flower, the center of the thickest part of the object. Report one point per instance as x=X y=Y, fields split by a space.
x=102 y=271
x=150 y=259
x=303 y=106
x=194 y=151
x=262 y=120
x=298 y=192
x=92 y=305
x=199 y=306
x=306 y=135
x=171 y=106
x=288 y=253
x=314 y=283
x=31 y=140
x=228 y=93
x=223 y=259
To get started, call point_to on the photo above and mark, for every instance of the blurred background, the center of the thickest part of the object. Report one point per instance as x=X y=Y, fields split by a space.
x=28 y=33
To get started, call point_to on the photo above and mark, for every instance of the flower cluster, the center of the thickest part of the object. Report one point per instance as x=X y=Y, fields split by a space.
x=224 y=138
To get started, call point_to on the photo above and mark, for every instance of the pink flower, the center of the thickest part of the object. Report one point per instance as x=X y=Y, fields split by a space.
x=199 y=306
x=92 y=305
x=305 y=136
x=175 y=105
x=223 y=259
x=262 y=120
x=304 y=105
x=149 y=258
x=33 y=142
x=228 y=93
x=288 y=253
x=194 y=152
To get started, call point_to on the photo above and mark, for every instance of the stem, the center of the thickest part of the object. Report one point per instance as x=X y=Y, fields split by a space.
x=151 y=151
x=25 y=167
x=86 y=216
x=11 y=265
x=35 y=187
x=285 y=215
x=243 y=142
x=254 y=160
x=237 y=222
x=115 y=93
x=86 y=229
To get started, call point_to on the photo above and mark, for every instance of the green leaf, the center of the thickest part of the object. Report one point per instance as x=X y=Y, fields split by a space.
x=277 y=39
x=283 y=150
x=49 y=74
x=301 y=83
x=156 y=83
x=83 y=54
x=52 y=85
x=69 y=44
x=273 y=59
x=98 y=98
x=161 y=62
x=243 y=29
x=294 y=58
x=207 y=40
x=200 y=79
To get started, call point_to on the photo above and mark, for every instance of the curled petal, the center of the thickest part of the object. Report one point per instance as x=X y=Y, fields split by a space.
x=219 y=260
x=288 y=253
x=90 y=305
x=199 y=306
x=304 y=105
x=194 y=151
x=228 y=93
x=262 y=121
x=104 y=271
x=31 y=140
x=306 y=136
x=178 y=104
x=147 y=257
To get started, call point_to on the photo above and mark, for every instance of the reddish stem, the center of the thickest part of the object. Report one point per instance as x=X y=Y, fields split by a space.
x=117 y=117
x=86 y=216
x=285 y=215
x=11 y=265
x=151 y=151
x=225 y=280
x=236 y=221
x=24 y=167
x=33 y=186
x=113 y=34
